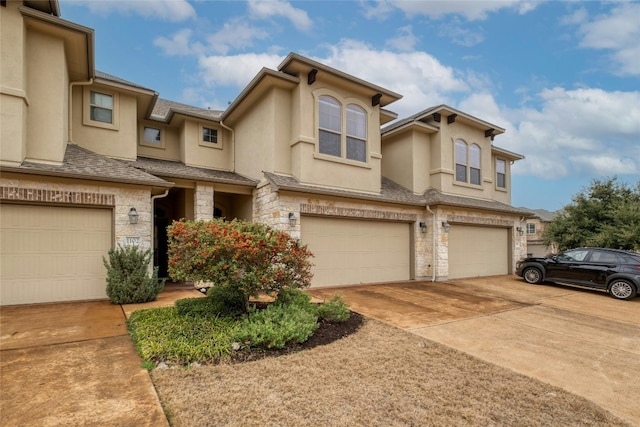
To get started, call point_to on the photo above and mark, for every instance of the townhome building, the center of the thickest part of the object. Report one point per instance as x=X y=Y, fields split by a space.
x=89 y=161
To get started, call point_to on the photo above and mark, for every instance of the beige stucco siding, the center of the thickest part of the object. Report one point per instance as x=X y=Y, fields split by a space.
x=48 y=97
x=205 y=155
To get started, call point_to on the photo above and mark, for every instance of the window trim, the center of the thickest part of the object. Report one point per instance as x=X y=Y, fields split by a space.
x=498 y=187
x=531 y=228
x=203 y=143
x=344 y=128
x=467 y=165
x=86 y=109
x=162 y=130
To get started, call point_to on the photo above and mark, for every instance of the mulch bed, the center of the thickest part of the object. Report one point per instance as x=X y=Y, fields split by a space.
x=326 y=333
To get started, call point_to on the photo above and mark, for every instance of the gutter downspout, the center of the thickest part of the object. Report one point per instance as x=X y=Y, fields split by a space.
x=70 y=124
x=233 y=143
x=433 y=247
x=153 y=199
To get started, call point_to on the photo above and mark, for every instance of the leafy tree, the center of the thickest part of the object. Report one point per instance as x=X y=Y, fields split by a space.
x=607 y=214
x=252 y=257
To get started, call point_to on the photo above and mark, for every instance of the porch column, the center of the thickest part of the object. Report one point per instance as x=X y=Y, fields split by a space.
x=203 y=201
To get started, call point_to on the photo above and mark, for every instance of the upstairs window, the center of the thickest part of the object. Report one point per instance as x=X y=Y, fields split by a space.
x=101 y=107
x=332 y=141
x=209 y=135
x=468 y=160
x=531 y=228
x=501 y=173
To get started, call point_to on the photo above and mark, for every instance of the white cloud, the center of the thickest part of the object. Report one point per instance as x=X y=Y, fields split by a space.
x=471 y=10
x=167 y=10
x=235 y=34
x=404 y=41
x=234 y=70
x=619 y=32
x=268 y=9
x=179 y=44
x=460 y=34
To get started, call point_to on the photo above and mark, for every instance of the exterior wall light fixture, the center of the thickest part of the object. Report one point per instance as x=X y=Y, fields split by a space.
x=520 y=231
x=423 y=227
x=446 y=226
x=292 y=219
x=133 y=216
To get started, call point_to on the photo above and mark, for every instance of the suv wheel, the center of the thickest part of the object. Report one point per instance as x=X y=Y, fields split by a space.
x=621 y=289
x=532 y=275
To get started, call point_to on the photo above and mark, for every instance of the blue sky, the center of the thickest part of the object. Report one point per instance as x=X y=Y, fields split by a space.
x=562 y=77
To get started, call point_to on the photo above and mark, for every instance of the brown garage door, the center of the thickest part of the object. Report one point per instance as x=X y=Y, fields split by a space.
x=350 y=251
x=52 y=253
x=478 y=251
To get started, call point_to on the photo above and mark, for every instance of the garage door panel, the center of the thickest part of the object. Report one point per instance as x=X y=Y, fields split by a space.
x=52 y=253
x=478 y=251
x=354 y=251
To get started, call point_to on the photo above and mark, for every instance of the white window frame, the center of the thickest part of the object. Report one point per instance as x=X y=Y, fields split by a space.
x=346 y=123
x=145 y=130
x=87 y=106
x=531 y=228
x=504 y=174
x=469 y=157
x=202 y=142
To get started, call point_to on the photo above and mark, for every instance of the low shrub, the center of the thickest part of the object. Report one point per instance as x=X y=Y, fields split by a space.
x=128 y=280
x=226 y=300
x=194 y=307
x=291 y=296
x=161 y=334
x=276 y=326
x=334 y=310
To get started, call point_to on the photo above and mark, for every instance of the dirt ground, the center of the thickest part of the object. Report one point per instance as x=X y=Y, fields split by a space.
x=378 y=376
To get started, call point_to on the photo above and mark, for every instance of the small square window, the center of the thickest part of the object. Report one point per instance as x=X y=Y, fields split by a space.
x=210 y=135
x=101 y=107
x=531 y=228
x=151 y=136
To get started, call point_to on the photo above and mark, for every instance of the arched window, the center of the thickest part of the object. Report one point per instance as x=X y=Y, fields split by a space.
x=468 y=161
x=351 y=144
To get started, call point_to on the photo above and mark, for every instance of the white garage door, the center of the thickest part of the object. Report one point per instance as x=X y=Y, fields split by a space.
x=478 y=251
x=353 y=251
x=52 y=254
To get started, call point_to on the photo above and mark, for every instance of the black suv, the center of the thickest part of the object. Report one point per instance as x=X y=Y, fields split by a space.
x=612 y=270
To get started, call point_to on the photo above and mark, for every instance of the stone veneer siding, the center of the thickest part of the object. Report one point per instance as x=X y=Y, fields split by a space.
x=118 y=199
x=203 y=201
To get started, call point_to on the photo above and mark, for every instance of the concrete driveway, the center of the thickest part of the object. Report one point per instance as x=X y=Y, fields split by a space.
x=74 y=364
x=582 y=341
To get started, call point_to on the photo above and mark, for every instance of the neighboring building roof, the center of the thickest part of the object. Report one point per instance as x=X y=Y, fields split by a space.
x=164 y=110
x=435 y=197
x=391 y=192
x=173 y=169
x=543 y=214
x=80 y=163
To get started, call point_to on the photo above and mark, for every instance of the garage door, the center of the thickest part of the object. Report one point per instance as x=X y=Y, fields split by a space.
x=354 y=251
x=52 y=254
x=478 y=251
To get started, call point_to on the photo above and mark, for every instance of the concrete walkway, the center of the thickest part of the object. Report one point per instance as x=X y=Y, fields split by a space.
x=74 y=364
x=582 y=341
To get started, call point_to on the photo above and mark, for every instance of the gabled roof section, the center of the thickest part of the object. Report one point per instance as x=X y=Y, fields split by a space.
x=543 y=214
x=432 y=117
x=173 y=169
x=294 y=64
x=506 y=153
x=434 y=197
x=114 y=79
x=164 y=110
x=80 y=163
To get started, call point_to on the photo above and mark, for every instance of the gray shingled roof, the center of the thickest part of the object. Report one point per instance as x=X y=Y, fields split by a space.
x=81 y=163
x=172 y=169
x=164 y=108
x=543 y=214
x=435 y=197
x=105 y=76
x=394 y=193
